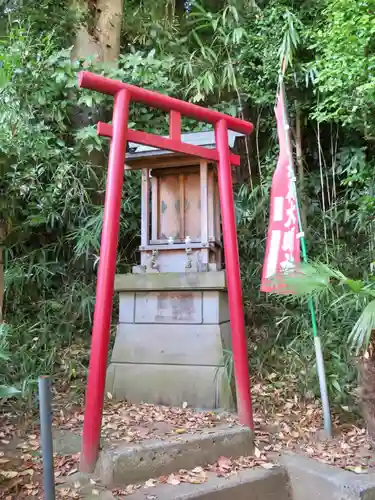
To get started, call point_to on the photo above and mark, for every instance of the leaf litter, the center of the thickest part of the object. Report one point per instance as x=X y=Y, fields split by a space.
x=136 y=423
x=283 y=422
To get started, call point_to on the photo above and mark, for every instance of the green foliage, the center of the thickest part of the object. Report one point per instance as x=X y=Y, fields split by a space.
x=6 y=391
x=352 y=294
x=206 y=63
x=54 y=197
x=291 y=39
x=225 y=55
x=345 y=48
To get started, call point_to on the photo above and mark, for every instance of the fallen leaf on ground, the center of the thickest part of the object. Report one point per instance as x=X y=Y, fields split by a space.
x=224 y=463
x=27 y=472
x=358 y=469
x=8 y=474
x=150 y=483
x=173 y=480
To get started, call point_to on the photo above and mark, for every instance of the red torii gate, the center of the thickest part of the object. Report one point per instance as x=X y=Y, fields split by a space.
x=120 y=134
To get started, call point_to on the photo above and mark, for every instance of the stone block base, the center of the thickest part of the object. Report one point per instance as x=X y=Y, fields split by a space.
x=170 y=344
x=205 y=387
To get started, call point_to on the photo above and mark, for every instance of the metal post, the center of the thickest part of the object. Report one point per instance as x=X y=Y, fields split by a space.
x=104 y=287
x=232 y=266
x=317 y=343
x=45 y=412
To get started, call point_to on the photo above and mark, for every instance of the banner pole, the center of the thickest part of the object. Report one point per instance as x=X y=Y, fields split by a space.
x=317 y=342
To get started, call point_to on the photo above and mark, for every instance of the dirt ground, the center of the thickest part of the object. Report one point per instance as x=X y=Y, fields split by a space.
x=283 y=421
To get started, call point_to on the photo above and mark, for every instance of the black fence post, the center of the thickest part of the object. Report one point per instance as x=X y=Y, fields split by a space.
x=45 y=411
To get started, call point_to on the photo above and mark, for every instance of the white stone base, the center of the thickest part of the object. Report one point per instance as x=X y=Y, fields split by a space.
x=170 y=348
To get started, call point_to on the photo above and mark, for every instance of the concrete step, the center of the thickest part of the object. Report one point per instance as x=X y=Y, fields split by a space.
x=253 y=484
x=313 y=480
x=122 y=464
x=296 y=477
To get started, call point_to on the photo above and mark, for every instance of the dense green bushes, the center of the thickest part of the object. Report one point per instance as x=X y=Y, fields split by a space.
x=53 y=200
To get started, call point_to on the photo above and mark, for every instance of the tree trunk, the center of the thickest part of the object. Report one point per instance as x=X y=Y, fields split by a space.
x=97 y=38
x=100 y=36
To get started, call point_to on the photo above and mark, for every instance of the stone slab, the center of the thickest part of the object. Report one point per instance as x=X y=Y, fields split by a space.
x=203 y=387
x=215 y=307
x=169 y=307
x=208 y=307
x=312 y=480
x=253 y=484
x=211 y=280
x=128 y=464
x=66 y=442
x=126 y=307
x=170 y=344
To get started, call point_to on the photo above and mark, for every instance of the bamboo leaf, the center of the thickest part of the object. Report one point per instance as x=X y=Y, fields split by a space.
x=355 y=285
x=6 y=392
x=306 y=279
x=360 y=334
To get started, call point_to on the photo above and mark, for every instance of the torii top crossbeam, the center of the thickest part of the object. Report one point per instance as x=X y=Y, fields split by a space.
x=124 y=94
x=107 y=86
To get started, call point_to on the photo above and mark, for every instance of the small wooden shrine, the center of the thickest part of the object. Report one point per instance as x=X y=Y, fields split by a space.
x=174 y=325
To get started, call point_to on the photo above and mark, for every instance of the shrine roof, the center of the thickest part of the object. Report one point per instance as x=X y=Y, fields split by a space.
x=205 y=139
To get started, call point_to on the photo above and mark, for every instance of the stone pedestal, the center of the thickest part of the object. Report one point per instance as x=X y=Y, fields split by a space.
x=171 y=340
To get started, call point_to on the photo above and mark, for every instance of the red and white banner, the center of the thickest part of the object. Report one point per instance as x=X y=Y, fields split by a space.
x=283 y=245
